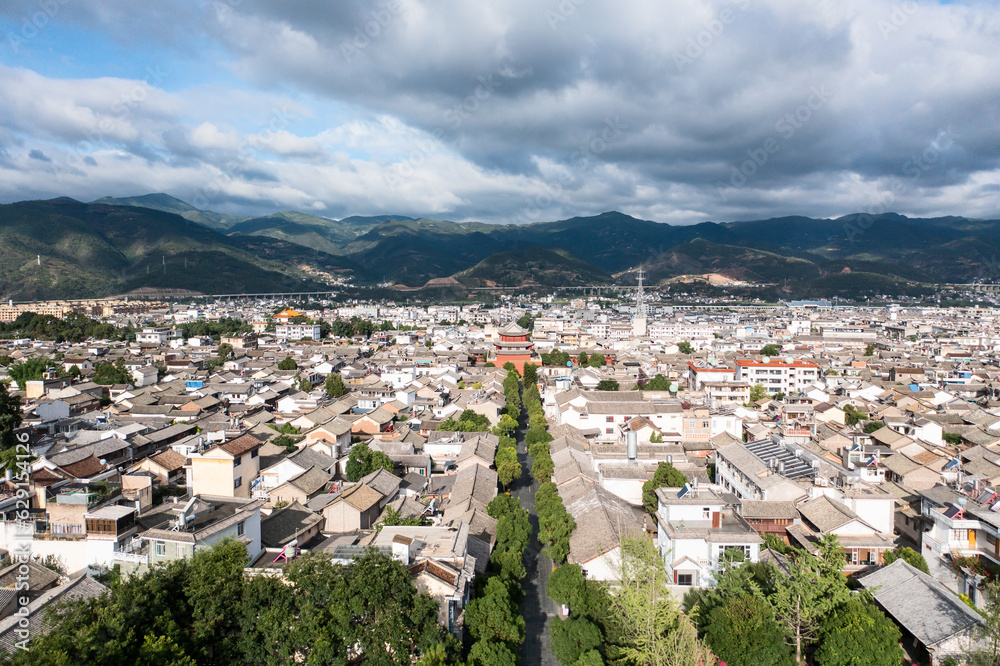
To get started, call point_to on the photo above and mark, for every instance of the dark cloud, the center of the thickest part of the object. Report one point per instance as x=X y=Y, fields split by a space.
x=36 y=154
x=712 y=109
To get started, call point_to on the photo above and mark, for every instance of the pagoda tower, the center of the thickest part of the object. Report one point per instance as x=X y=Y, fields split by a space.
x=514 y=346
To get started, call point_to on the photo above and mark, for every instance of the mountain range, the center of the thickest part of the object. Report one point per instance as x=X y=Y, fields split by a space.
x=63 y=248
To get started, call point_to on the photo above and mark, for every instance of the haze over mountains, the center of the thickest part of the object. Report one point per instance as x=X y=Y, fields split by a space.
x=112 y=246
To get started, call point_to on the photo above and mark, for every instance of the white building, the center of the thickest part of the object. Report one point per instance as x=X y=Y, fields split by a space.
x=297 y=331
x=788 y=377
x=696 y=528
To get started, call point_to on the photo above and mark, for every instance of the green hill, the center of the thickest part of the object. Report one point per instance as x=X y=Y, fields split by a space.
x=534 y=266
x=805 y=254
x=91 y=250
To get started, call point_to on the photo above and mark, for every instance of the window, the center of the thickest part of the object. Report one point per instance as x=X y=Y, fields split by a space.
x=706 y=513
x=609 y=431
x=609 y=419
x=239 y=528
x=960 y=536
x=161 y=548
x=253 y=454
x=990 y=539
x=685 y=579
x=238 y=482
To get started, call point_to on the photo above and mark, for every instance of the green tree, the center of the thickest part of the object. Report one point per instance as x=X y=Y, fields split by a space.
x=757 y=392
x=226 y=351
x=107 y=374
x=493 y=616
x=596 y=360
x=288 y=364
x=770 y=350
x=952 y=438
x=568 y=586
x=909 y=555
x=11 y=416
x=582 y=359
x=508 y=467
x=872 y=426
x=665 y=476
x=858 y=634
x=334 y=385
x=813 y=587
x=684 y=347
x=852 y=415
x=607 y=385
x=572 y=637
x=509 y=367
x=507 y=423
x=526 y=322
x=305 y=385
x=983 y=648
x=651 y=628
x=743 y=631
x=530 y=374
x=870 y=349
x=362 y=461
x=657 y=383
x=488 y=653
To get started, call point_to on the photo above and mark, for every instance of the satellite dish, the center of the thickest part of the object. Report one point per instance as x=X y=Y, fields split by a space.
x=569 y=364
x=673 y=387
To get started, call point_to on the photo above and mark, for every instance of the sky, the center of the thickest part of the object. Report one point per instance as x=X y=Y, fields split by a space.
x=510 y=111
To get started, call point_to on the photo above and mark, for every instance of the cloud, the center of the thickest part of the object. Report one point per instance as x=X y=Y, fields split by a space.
x=714 y=109
x=38 y=155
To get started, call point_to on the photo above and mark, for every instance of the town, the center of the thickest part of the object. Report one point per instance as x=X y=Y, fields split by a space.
x=544 y=447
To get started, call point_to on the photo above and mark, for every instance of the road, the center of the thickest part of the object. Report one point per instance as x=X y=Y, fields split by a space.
x=537 y=609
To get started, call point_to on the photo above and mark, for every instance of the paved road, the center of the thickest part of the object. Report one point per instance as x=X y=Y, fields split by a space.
x=536 y=608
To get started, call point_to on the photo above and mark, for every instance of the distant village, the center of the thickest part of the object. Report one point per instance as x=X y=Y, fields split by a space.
x=789 y=423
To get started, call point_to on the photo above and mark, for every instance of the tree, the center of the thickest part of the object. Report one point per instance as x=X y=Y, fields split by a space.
x=983 y=648
x=684 y=347
x=872 y=426
x=305 y=385
x=657 y=383
x=870 y=349
x=493 y=616
x=952 y=438
x=858 y=634
x=596 y=361
x=572 y=637
x=743 y=631
x=487 y=653
x=362 y=461
x=288 y=364
x=912 y=557
x=757 y=392
x=665 y=476
x=607 y=385
x=107 y=374
x=813 y=587
x=526 y=322
x=11 y=416
x=226 y=351
x=852 y=415
x=334 y=385
x=770 y=350
x=508 y=466
x=582 y=359
x=650 y=626
x=568 y=586
x=530 y=374
x=509 y=367
x=507 y=423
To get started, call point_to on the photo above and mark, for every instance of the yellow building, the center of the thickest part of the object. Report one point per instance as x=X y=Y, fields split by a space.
x=226 y=470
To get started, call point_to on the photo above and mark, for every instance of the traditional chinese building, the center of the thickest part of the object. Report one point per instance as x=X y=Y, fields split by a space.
x=514 y=347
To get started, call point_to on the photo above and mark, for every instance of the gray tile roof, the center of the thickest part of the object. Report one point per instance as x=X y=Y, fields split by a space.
x=922 y=605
